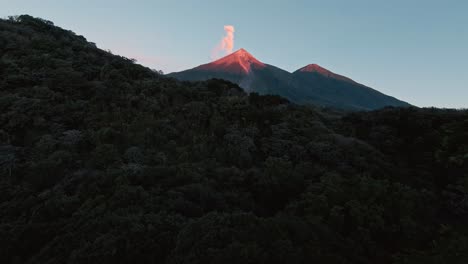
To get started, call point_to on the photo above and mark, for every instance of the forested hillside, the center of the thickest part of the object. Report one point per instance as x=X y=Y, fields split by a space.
x=105 y=161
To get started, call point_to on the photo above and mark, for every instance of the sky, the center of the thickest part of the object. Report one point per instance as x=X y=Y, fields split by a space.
x=415 y=50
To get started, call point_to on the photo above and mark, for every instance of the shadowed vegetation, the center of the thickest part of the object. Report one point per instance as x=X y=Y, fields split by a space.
x=105 y=161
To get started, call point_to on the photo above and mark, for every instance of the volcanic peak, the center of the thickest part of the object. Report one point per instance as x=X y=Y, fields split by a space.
x=237 y=62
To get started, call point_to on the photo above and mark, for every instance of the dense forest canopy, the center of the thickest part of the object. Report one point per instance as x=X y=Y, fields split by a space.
x=105 y=161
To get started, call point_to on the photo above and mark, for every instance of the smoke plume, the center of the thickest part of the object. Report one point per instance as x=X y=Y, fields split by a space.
x=226 y=44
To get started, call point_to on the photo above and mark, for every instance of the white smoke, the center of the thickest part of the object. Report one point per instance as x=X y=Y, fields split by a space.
x=226 y=45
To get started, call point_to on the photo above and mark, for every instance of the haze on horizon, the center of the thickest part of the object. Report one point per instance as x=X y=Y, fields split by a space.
x=415 y=51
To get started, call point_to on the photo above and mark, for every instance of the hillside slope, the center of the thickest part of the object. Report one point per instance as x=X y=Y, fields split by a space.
x=104 y=161
x=323 y=87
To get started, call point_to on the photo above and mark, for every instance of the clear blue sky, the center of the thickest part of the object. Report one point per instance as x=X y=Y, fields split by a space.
x=416 y=50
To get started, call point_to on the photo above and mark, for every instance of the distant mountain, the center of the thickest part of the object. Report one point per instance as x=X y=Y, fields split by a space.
x=321 y=86
x=310 y=84
x=245 y=70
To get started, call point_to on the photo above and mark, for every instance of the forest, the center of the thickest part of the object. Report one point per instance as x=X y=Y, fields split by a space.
x=103 y=160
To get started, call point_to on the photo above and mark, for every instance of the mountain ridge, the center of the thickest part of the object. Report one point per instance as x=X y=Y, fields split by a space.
x=315 y=68
x=311 y=84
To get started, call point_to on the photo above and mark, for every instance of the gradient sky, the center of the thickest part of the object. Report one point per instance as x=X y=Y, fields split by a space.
x=415 y=50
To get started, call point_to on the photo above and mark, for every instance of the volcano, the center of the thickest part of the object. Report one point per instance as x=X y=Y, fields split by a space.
x=245 y=70
x=239 y=62
x=311 y=84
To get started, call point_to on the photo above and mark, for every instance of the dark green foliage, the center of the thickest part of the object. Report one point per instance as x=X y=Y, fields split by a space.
x=105 y=161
